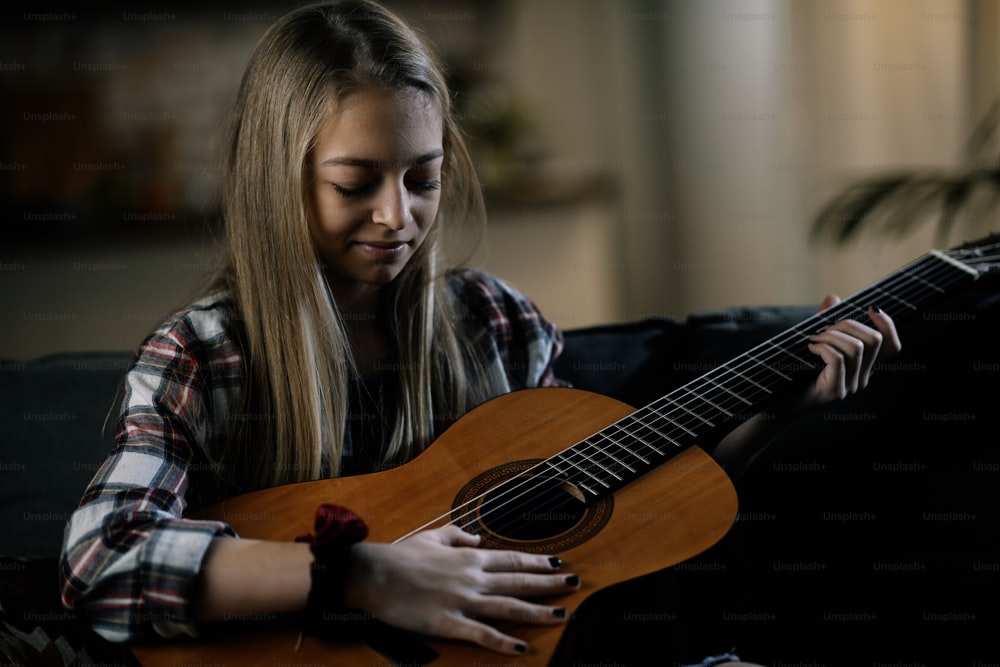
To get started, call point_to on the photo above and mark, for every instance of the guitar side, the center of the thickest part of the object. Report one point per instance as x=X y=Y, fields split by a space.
x=670 y=514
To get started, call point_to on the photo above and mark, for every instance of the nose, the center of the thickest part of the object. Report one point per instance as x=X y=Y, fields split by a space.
x=390 y=207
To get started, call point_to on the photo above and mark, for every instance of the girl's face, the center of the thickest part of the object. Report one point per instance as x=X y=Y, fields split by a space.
x=376 y=186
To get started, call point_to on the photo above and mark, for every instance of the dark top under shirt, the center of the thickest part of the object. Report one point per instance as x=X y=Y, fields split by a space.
x=368 y=425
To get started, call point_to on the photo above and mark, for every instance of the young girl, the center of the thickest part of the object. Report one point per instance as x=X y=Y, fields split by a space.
x=337 y=338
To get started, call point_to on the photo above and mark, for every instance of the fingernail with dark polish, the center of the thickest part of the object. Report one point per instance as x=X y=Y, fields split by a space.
x=876 y=308
x=521 y=648
x=572 y=580
x=559 y=613
x=555 y=561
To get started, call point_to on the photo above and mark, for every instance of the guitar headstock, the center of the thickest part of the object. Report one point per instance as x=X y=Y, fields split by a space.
x=982 y=255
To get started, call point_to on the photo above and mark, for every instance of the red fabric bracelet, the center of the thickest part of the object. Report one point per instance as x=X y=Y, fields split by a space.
x=337 y=530
x=336 y=527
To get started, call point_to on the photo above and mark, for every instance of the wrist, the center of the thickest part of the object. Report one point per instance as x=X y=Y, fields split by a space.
x=338 y=532
x=358 y=572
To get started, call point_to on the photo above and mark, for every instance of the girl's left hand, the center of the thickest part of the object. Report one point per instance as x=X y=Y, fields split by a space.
x=849 y=349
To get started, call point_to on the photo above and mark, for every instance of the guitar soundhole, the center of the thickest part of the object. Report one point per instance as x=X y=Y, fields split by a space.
x=552 y=512
x=514 y=509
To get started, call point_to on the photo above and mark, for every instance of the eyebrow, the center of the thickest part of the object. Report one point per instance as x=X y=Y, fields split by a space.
x=377 y=165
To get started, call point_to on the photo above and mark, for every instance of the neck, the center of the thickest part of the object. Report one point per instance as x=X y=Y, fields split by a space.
x=358 y=307
x=357 y=302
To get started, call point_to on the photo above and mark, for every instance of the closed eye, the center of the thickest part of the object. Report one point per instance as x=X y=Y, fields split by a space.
x=350 y=192
x=416 y=186
x=425 y=186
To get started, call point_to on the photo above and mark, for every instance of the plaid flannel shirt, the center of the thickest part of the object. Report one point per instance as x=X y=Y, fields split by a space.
x=130 y=557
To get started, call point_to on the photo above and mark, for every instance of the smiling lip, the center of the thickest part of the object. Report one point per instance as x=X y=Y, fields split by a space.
x=382 y=249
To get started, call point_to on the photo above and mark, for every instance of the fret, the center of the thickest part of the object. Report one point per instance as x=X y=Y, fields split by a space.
x=556 y=470
x=706 y=400
x=929 y=284
x=763 y=365
x=599 y=467
x=738 y=384
x=672 y=421
x=786 y=351
x=568 y=473
x=634 y=453
x=695 y=414
x=899 y=299
x=615 y=453
x=581 y=484
x=926 y=279
x=626 y=445
x=750 y=380
x=585 y=472
x=600 y=471
x=730 y=392
x=659 y=433
x=615 y=450
x=618 y=440
x=661 y=436
x=648 y=444
x=949 y=270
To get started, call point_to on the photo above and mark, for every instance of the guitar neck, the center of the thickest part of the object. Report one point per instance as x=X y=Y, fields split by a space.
x=735 y=390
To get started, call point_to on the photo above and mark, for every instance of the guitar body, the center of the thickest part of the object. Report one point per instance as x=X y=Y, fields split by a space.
x=672 y=513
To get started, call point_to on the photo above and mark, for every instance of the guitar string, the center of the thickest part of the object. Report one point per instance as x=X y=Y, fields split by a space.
x=616 y=460
x=716 y=379
x=726 y=401
x=828 y=316
x=850 y=304
x=616 y=443
x=901 y=273
x=616 y=457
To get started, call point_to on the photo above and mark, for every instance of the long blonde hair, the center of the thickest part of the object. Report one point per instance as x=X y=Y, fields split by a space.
x=297 y=357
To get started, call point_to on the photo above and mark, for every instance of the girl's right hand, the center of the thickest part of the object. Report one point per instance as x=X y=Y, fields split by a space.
x=438 y=583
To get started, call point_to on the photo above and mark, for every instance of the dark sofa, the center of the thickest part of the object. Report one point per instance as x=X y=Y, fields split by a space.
x=867 y=533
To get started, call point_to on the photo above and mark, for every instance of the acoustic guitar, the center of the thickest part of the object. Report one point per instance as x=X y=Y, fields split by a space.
x=615 y=492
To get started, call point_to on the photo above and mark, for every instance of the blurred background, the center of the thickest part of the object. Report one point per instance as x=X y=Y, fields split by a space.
x=640 y=158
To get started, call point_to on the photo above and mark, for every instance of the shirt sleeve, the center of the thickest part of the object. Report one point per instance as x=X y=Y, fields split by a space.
x=130 y=559
x=513 y=331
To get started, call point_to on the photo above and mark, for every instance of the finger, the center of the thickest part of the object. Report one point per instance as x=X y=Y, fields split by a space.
x=890 y=337
x=870 y=341
x=463 y=627
x=502 y=560
x=453 y=536
x=512 y=610
x=833 y=377
x=828 y=301
x=527 y=585
x=842 y=353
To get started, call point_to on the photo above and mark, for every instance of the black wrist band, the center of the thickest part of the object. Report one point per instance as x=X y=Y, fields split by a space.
x=337 y=530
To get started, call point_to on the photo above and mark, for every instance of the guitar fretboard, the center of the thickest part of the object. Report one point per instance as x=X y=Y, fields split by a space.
x=734 y=391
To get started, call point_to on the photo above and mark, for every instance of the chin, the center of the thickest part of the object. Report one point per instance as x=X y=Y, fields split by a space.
x=384 y=275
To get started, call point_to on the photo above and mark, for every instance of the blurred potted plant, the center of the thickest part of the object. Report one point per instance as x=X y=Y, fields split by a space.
x=896 y=203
